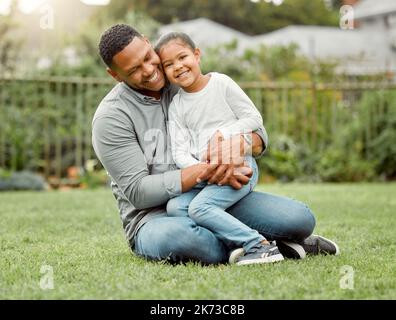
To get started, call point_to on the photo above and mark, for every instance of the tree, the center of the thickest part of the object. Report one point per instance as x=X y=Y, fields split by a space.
x=85 y=41
x=10 y=45
x=335 y=4
x=243 y=15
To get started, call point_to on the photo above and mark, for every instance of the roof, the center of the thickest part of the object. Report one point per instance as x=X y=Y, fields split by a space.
x=358 y=51
x=323 y=42
x=348 y=47
x=206 y=33
x=370 y=8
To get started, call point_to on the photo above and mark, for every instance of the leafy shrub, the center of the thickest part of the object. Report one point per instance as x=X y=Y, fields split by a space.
x=335 y=166
x=383 y=148
x=23 y=180
x=377 y=118
x=95 y=179
x=281 y=160
x=287 y=160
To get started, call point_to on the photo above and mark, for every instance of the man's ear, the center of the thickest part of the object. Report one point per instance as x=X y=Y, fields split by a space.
x=113 y=74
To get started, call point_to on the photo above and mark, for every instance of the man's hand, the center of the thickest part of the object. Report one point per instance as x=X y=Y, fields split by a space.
x=227 y=174
x=225 y=162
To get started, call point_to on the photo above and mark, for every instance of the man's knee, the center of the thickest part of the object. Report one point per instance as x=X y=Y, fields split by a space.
x=198 y=244
x=302 y=221
x=180 y=239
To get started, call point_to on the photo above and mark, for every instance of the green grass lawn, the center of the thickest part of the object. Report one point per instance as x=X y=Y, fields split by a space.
x=79 y=234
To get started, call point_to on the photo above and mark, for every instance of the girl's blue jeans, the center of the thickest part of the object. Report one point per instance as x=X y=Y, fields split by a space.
x=205 y=205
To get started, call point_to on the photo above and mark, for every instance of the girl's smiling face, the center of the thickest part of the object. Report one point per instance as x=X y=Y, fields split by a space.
x=181 y=64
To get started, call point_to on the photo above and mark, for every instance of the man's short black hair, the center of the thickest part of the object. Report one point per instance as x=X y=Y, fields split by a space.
x=114 y=40
x=183 y=37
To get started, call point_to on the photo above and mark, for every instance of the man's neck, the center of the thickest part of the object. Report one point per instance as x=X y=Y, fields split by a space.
x=154 y=94
x=149 y=93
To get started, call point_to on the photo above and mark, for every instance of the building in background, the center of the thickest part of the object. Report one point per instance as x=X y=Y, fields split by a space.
x=368 y=48
x=207 y=33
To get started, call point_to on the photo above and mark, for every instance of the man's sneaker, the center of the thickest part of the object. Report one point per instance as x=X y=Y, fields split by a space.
x=235 y=254
x=315 y=244
x=291 y=250
x=262 y=253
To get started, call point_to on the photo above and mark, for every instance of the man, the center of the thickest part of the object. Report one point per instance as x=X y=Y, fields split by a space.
x=130 y=138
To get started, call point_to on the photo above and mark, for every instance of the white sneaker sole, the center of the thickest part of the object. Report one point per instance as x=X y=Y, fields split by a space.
x=235 y=254
x=270 y=259
x=296 y=247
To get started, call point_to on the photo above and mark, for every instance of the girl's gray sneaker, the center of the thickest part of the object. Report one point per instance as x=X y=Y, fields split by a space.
x=262 y=253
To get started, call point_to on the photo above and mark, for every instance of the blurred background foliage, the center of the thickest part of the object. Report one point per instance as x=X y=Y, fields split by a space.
x=359 y=148
x=246 y=16
x=147 y=15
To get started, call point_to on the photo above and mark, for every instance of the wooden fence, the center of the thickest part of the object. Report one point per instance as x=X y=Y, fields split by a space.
x=45 y=123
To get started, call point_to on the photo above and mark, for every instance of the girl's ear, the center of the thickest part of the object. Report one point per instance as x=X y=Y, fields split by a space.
x=197 y=54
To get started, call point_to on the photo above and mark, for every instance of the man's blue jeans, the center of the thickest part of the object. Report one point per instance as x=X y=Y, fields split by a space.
x=181 y=239
x=205 y=204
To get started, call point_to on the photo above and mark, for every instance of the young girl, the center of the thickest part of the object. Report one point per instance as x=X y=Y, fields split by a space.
x=208 y=107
